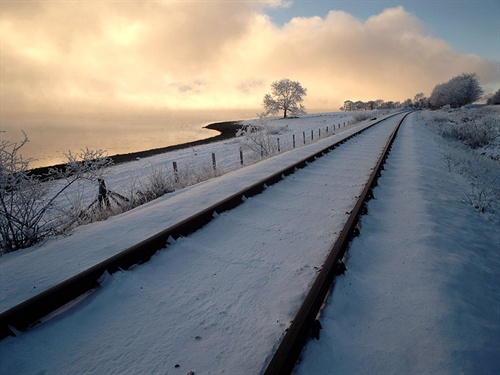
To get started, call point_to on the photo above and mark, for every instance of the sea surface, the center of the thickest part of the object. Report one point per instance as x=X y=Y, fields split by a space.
x=53 y=136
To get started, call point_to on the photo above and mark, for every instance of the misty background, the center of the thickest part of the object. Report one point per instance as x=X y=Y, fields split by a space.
x=134 y=64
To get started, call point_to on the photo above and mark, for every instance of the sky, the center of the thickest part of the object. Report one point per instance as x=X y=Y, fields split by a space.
x=119 y=56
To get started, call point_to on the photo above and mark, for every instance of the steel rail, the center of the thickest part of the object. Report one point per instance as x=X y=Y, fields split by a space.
x=30 y=312
x=299 y=331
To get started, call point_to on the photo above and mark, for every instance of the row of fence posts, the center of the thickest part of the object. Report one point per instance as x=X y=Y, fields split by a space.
x=214 y=162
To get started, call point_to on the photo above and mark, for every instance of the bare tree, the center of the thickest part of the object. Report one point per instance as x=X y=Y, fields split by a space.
x=286 y=95
x=28 y=205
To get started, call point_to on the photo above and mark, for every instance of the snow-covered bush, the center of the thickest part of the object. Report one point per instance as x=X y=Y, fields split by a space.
x=157 y=183
x=362 y=116
x=457 y=92
x=495 y=98
x=471 y=127
x=260 y=140
x=30 y=209
x=190 y=174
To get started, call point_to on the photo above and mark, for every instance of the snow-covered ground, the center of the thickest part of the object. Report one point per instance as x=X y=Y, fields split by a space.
x=216 y=301
x=195 y=162
x=28 y=272
x=420 y=294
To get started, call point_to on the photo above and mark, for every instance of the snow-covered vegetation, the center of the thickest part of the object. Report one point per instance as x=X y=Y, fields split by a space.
x=457 y=92
x=286 y=96
x=29 y=209
x=494 y=99
x=471 y=144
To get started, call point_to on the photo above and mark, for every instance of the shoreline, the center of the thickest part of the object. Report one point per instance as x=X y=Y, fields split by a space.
x=227 y=130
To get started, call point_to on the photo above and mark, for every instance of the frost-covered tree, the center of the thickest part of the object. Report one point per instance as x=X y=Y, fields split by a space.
x=29 y=206
x=407 y=103
x=348 y=106
x=286 y=96
x=495 y=98
x=419 y=100
x=457 y=92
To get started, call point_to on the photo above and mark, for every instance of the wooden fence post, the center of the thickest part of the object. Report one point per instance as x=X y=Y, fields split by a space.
x=293 y=140
x=176 y=172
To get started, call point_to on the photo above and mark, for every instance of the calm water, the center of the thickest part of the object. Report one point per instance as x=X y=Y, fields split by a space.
x=53 y=136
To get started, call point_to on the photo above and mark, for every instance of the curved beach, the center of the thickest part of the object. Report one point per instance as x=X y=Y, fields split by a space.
x=227 y=129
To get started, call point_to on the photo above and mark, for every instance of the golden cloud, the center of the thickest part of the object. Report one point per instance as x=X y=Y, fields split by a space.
x=82 y=55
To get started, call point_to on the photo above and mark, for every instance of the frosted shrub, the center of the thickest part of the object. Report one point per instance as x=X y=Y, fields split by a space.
x=259 y=140
x=471 y=148
x=31 y=209
x=471 y=127
x=481 y=172
x=157 y=184
x=189 y=174
x=362 y=116
x=473 y=131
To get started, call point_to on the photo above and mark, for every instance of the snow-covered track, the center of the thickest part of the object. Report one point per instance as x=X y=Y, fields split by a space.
x=29 y=312
x=301 y=328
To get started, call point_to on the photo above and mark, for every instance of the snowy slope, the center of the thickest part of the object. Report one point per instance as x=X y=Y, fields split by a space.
x=219 y=300
x=421 y=292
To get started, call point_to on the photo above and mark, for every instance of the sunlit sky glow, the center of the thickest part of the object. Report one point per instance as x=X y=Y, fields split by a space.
x=79 y=56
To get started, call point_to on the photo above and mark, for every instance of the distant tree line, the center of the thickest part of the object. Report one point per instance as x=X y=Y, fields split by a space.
x=464 y=89
x=457 y=92
x=359 y=105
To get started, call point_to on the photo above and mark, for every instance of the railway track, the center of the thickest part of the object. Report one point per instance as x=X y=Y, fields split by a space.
x=287 y=354
x=28 y=313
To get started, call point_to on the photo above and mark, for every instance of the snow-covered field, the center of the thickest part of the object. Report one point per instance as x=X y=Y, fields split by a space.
x=195 y=164
x=420 y=294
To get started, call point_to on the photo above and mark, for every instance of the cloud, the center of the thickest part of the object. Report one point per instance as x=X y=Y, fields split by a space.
x=81 y=55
